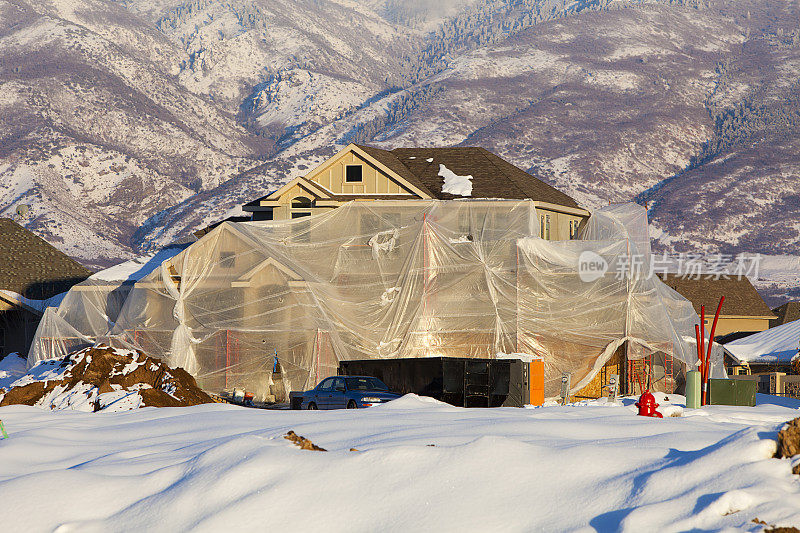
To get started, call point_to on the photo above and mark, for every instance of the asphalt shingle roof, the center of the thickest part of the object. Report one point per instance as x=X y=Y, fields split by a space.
x=788 y=312
x=33 y=268
x=492 y=176
x=741 y=298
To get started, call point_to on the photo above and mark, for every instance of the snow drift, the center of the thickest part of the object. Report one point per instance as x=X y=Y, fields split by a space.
x=218 y=467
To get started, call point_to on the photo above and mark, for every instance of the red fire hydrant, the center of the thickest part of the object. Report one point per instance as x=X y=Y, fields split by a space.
x=647 y=405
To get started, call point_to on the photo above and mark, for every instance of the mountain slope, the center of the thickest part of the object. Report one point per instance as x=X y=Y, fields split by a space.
x=95 y=132
x=604 y=104
x=742 y=192
x=128 y=125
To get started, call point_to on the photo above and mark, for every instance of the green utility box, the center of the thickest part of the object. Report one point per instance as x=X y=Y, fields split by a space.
x=732 y=392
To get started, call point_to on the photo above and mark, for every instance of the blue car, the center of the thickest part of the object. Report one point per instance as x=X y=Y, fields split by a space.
x=347 y=392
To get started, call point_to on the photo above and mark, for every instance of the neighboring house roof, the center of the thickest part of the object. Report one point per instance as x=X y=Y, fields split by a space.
x=31 y=267
x=137 y=268
x=741 y=298
x=774 y=345
x=492 y=177
x=788 y=312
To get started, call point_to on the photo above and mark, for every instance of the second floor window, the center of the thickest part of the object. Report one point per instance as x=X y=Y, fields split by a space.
x=301 y=207
x=544 y=227
x=301 y=202
x=573 y=228
x=227 y=259
x=352 y=174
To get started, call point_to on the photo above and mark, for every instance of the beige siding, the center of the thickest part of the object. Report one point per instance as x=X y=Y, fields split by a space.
x=284 y=210
x=559 y=224
x=731 y=325
x=332 y=177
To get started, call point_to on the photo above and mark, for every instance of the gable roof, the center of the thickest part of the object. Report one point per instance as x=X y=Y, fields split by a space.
x=393 y=163
x=788 y=312
x=741 y=298
x=774 y=345
x=492 y=177
x=33 y=268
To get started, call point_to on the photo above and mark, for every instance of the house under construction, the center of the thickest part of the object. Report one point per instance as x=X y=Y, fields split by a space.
x=274 y=305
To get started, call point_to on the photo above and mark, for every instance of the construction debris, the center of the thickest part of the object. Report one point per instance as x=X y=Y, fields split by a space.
x=302 y=442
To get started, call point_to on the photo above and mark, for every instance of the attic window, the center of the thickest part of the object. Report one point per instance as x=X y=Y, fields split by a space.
x=227 y=259
x=352 y=174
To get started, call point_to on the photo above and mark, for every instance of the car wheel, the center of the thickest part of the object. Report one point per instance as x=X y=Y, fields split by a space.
x=312 y=406
x=352 y=404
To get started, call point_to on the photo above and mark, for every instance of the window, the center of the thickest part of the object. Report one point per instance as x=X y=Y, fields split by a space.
x=326 y=384
x=338 y=384
x=392 y=220
x=573 y=228
x=366 y=384
x=464 y=224
x=352 y=174
x=301 y=202
x=227 y=259
x=545 y=227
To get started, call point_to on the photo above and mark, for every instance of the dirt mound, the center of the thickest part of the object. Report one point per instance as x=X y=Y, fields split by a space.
x=789 y=442
x=104 y=378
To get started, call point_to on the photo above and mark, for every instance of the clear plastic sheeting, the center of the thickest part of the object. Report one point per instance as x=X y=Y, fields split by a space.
x=86 y=314
x=273 y=306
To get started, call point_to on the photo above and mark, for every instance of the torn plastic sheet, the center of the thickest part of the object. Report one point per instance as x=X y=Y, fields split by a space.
x=387 y=280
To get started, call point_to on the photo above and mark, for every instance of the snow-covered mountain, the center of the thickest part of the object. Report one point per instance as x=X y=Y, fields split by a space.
x=128 y=124
x=96 y=132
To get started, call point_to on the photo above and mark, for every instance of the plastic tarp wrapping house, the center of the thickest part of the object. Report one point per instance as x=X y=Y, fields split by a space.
x=253 y=301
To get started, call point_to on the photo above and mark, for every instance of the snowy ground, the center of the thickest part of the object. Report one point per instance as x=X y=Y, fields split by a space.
x=222 y=468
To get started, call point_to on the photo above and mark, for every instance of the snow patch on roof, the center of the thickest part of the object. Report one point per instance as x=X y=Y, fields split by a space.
x=39 y=305
x=139 y=267
x=455 y=184
x=775 y=345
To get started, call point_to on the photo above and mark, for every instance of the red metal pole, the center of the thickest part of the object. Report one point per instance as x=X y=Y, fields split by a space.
x=710 y=342
x=702 y=353
x=697 y=337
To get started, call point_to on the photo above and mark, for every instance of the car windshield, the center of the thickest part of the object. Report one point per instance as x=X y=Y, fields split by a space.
x=366 y=384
